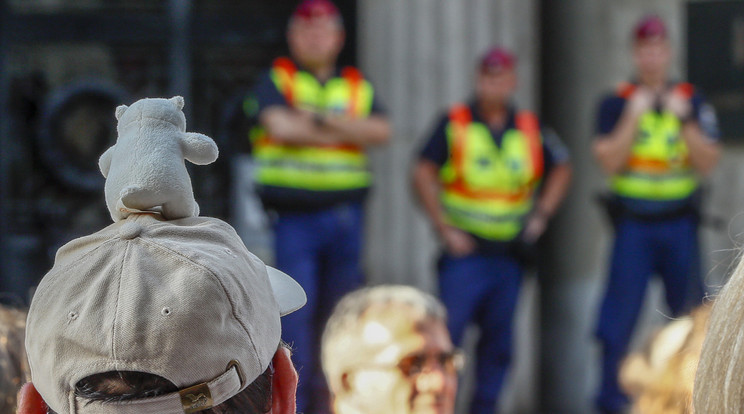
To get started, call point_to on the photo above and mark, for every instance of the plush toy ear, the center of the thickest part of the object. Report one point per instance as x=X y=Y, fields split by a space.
x=177 y=101
x=120 y=111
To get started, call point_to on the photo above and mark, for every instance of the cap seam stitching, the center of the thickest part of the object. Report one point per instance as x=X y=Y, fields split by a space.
x=190 y=262
x=58 y=271
x=117 y=360
x=75 y=261
x=118 y=298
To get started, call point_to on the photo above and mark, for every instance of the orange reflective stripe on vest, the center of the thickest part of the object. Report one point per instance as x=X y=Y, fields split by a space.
x=354 y=77
x=266 y=141
x=460 y=117
x=685 y=89
x=626 y=89
x=286 y=70
x=653 y=166
x=527 y=122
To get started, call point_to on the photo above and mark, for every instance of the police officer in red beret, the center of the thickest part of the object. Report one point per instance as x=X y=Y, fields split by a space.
x=656 y=139
x=315 y=122
x=489 y=177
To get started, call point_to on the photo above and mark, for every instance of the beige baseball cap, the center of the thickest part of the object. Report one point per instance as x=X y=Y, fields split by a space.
x=182 y=299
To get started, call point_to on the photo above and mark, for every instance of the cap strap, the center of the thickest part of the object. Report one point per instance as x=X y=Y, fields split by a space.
x=188 y=400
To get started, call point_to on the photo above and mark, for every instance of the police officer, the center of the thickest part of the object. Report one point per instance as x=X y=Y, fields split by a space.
x=655 y=138
x=315 y=120
x=489 y=178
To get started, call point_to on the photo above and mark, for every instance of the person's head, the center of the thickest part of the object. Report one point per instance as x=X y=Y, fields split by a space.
x=719 y=381
x=652 y=52
x=386 y=349
x=660 y=378
x=161 y=316
x=13 y=365
x=496 y=77
x=315 y=34
x=273 y=387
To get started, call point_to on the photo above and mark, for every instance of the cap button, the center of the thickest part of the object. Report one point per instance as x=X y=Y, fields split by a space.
x=130 y=230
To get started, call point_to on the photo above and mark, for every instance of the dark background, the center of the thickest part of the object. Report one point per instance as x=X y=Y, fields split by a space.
x=57 y=112
x=715 y=59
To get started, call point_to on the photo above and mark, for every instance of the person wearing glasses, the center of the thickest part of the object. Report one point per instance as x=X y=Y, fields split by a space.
x=386 y=349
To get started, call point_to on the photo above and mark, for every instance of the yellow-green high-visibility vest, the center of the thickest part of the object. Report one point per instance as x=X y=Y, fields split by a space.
x=315 y=167
x=486 y=190
x=658 y=168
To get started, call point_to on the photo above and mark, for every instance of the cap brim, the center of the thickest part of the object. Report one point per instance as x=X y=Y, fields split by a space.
x=288 y=293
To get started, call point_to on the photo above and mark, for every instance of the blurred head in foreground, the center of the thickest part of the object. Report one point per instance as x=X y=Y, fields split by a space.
x=719 y=382
x=387 y=350
x=161 y=316
x=660 y=378
x=13 y=365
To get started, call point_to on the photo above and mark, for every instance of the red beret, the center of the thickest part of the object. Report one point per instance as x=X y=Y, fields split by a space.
x=309 y=9
x=497 y=58
x=650 y=27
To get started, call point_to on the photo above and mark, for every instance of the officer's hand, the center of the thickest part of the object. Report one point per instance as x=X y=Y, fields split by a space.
x=535 y=227
x=641 y=101
x=678 y=104
x=457 y=242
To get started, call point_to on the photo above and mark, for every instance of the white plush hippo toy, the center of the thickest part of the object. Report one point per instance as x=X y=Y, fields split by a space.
x=145 y=169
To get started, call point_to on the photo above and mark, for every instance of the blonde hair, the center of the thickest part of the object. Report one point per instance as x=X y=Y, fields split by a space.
x=342 y=326
x=660 y=378
x=14 y=370
x=719 y=383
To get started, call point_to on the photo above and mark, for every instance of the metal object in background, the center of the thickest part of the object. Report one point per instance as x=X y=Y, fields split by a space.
x=77 y=126
x=55 y=179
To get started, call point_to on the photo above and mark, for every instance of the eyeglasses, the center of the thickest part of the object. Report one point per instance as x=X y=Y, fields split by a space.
x=414 y=364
